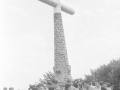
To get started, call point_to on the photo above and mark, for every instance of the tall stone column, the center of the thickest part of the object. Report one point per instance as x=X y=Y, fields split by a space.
x=62 y=68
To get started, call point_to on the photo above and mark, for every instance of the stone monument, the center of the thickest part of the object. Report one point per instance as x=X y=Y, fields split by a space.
x=61 y=68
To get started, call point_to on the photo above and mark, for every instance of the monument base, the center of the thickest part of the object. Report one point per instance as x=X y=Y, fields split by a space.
x=63 y=73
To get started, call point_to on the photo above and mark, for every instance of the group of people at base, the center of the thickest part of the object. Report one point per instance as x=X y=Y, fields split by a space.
x=69 y=85
x=96 y=86
x=55 y=85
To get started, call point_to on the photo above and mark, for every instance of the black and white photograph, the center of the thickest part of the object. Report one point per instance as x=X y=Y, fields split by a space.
x=59 y=44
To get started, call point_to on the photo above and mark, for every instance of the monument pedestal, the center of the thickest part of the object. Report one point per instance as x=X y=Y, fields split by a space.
x=63 y=74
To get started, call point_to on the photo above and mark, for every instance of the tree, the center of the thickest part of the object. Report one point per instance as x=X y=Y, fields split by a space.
x=48 y=77
x=107 y=73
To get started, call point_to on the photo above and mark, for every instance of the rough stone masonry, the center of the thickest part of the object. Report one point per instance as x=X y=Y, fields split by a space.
x=62 y=68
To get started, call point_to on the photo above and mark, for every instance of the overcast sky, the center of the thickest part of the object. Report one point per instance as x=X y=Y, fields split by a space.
x=27 y=38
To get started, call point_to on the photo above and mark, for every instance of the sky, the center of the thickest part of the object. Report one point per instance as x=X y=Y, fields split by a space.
x=92 y=37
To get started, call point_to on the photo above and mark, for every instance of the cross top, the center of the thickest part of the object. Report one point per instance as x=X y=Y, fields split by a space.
x=58 y=6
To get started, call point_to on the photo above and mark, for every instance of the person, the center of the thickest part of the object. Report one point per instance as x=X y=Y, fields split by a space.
x=104 y=86
x=50 y=85
x=75 y=84
x=32 y=87
x=41 y=87
x=62 y=86
x=97 y=86
x=118 y=87
x=72 y=87
x=108 y=86
x=56 y=85
x=69 y=86
x=101 y=82
x=93 y=84
x=89 y=86
x=80 y=85
x=112 y=87
x=84 y=87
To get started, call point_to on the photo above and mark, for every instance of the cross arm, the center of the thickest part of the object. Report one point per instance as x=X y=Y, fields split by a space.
x=64 y=8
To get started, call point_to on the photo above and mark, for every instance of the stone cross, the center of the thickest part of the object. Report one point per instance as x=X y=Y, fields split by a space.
x=61 y=68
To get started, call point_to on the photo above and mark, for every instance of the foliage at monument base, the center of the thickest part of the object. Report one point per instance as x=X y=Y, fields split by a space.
x=107 y=73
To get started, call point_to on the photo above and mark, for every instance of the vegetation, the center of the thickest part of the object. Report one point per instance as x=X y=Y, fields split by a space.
x=107 y=73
